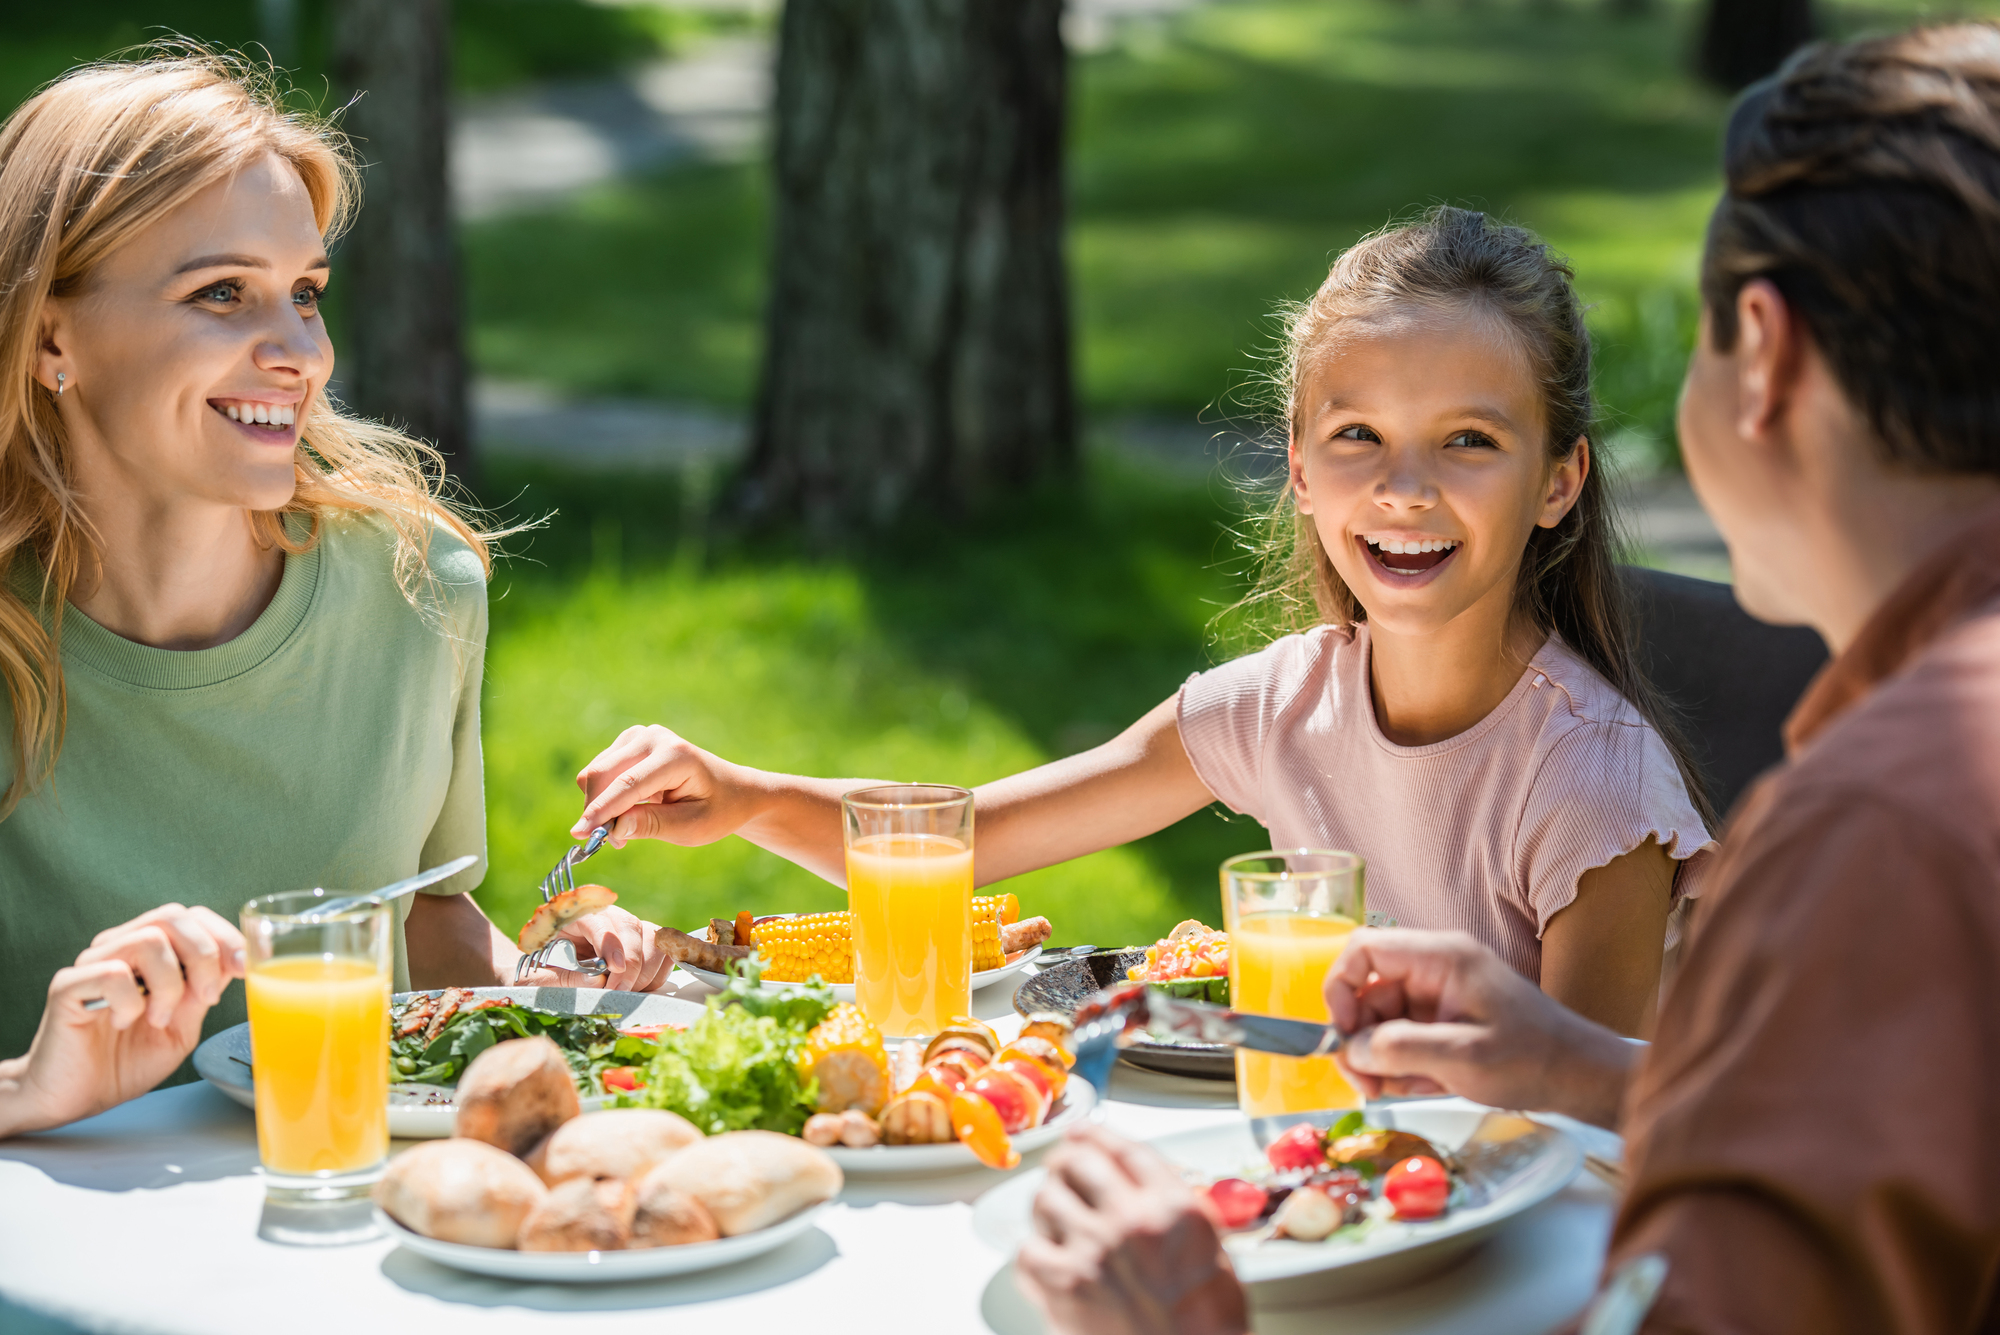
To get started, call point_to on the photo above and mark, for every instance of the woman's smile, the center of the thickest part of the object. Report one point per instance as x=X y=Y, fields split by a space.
x=266 y=421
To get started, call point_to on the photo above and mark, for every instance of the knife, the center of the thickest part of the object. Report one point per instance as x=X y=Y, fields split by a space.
x=1119 y=1016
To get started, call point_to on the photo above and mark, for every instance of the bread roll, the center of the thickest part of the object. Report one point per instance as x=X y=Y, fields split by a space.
x=514 y=1093
x=460 y=1191
x=582 y=1215
x=751 y=1179
x=667 y=1216
x=619 y=1142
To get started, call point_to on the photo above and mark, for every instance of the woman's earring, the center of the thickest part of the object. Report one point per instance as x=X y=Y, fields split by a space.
x=60 y=386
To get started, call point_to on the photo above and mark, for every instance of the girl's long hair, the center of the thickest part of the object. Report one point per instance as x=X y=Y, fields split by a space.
x=85 y=165
x=1569 y=583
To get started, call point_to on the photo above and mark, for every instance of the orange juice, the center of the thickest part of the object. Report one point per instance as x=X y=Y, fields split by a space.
x=911 y=897
x=319 y=1044
x=1277 y=965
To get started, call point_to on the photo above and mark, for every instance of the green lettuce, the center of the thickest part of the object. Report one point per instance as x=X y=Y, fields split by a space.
x=736 y=1068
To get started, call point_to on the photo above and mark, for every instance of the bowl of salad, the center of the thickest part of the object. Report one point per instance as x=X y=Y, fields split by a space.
x=1192 y=961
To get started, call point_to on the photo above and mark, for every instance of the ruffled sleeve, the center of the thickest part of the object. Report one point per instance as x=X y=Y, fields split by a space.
x=1227 y=713
x=1603 y=789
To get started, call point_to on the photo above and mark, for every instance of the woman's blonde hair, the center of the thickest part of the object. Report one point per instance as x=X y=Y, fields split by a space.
x=86 y=165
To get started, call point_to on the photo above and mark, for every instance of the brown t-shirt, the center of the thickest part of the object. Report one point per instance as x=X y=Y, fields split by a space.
x=1814 y=1140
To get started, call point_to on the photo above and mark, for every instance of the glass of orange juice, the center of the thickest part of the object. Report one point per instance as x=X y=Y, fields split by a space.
x=318 y=992
x=909 y=888
x=1288 y=914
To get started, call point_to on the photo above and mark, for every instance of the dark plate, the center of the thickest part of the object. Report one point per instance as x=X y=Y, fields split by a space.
x=1062 y=988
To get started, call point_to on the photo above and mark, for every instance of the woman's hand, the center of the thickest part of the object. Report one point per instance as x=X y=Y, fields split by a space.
x=630 y=945
x=1436 y=1012
x=1123 y=1247
x=86 y=1060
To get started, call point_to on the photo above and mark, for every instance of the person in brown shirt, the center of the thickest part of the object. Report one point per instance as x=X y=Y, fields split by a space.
x=1814 y=1137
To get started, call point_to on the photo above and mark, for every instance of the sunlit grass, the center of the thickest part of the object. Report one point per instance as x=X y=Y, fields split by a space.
x=949 y=653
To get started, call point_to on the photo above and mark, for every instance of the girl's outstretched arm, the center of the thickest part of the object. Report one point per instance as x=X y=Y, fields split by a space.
x=652 y=784
x=1601 y=954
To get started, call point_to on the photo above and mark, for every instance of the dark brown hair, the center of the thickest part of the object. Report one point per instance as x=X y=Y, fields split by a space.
x=1569 y=584
x=1863 y=181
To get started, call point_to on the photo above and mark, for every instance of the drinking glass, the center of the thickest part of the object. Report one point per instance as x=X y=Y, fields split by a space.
x=1288 y=913
x=909 y=889
x=318 y=992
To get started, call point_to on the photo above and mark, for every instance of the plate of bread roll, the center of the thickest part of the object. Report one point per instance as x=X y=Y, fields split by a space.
x=530 y=1187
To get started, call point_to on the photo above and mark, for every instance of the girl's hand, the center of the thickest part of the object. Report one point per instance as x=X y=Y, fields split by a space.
x=85 y=1061
x=1123 y=1247
x=650 y=784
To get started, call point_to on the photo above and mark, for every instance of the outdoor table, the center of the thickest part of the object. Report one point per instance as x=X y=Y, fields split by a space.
x=145 y=1219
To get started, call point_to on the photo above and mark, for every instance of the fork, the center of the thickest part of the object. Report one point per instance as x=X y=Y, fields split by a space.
x=560 y=880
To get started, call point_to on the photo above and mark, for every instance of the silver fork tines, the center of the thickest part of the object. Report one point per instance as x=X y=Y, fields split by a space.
x=559 y=881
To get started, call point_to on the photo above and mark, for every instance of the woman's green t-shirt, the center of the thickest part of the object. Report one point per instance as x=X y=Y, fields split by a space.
x=334 y=743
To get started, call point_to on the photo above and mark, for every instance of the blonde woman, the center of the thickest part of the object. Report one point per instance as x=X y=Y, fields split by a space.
x=241 y=633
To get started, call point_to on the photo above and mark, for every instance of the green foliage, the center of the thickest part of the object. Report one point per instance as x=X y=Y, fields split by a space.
x=956 y=651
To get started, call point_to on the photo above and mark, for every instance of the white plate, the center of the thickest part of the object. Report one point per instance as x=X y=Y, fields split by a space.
x=882 y=1160
x=845 y=991
x=600 y=1267
x=1286 y=1273
x=425 y=1112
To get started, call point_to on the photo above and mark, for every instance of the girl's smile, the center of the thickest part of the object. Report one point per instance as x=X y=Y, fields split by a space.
x=1406 y=560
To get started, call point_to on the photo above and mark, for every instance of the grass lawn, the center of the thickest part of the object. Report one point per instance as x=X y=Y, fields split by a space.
x=952 y=653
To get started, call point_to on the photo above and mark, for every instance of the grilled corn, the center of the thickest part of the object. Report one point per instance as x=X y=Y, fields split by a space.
x=794 y=949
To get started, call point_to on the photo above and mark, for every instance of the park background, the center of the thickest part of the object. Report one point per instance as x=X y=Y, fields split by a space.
x=612 y=192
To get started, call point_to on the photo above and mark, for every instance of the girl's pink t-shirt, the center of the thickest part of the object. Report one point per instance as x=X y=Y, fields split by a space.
x=1486 y=832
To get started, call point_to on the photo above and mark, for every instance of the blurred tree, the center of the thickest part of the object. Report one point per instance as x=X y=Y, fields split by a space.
x=918 y=349
x=1744 y=40
x=403 y=358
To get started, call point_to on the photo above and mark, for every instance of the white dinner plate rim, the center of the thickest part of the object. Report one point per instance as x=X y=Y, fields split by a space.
x=608 y=1267
x=1000 y=1210
x=845 y=991
x=883 y=1160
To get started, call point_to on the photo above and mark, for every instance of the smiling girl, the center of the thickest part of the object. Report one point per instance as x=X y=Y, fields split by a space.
x=1463 y=709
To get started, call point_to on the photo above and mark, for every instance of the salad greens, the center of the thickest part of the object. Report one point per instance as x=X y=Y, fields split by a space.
x=590 y=1043
x=737 y=1067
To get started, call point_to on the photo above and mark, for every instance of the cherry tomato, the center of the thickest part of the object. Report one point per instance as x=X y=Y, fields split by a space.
x=1237 y=1203
x=1303 y=1146
x=1417 y=1187
x=625 y=1078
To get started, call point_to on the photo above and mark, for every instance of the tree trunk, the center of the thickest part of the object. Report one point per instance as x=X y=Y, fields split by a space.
x=1744 y=40
x=917 y=350
x=403 y=360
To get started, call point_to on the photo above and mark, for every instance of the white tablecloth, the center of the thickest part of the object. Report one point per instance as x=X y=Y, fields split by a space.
x=145 y=1220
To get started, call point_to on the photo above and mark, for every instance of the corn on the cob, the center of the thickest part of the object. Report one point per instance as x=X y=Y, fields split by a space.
x=844 y=1052
x=794 y=949
x=988 y=913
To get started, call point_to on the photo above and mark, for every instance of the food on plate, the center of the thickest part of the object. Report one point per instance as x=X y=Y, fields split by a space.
x=972 y=1089
x=798 y=947
x=514 y=1094
x=1191 y=961
x=560 y=912
x=749 y=1180
x=844 y=1054
x=854 y=1129
x=460 y=1191
x=737 y=1068
x=1339 y=1183
x=1053 y=1027
x=584 y=1214
x=665 y=1216
x=623 y=1143
x=688 y=949
x=435 y=1036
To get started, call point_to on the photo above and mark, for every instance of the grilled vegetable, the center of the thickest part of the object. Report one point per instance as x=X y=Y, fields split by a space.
x=795 y=949
x=844 y=1053
x=989 y=914
x=917 y=1118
